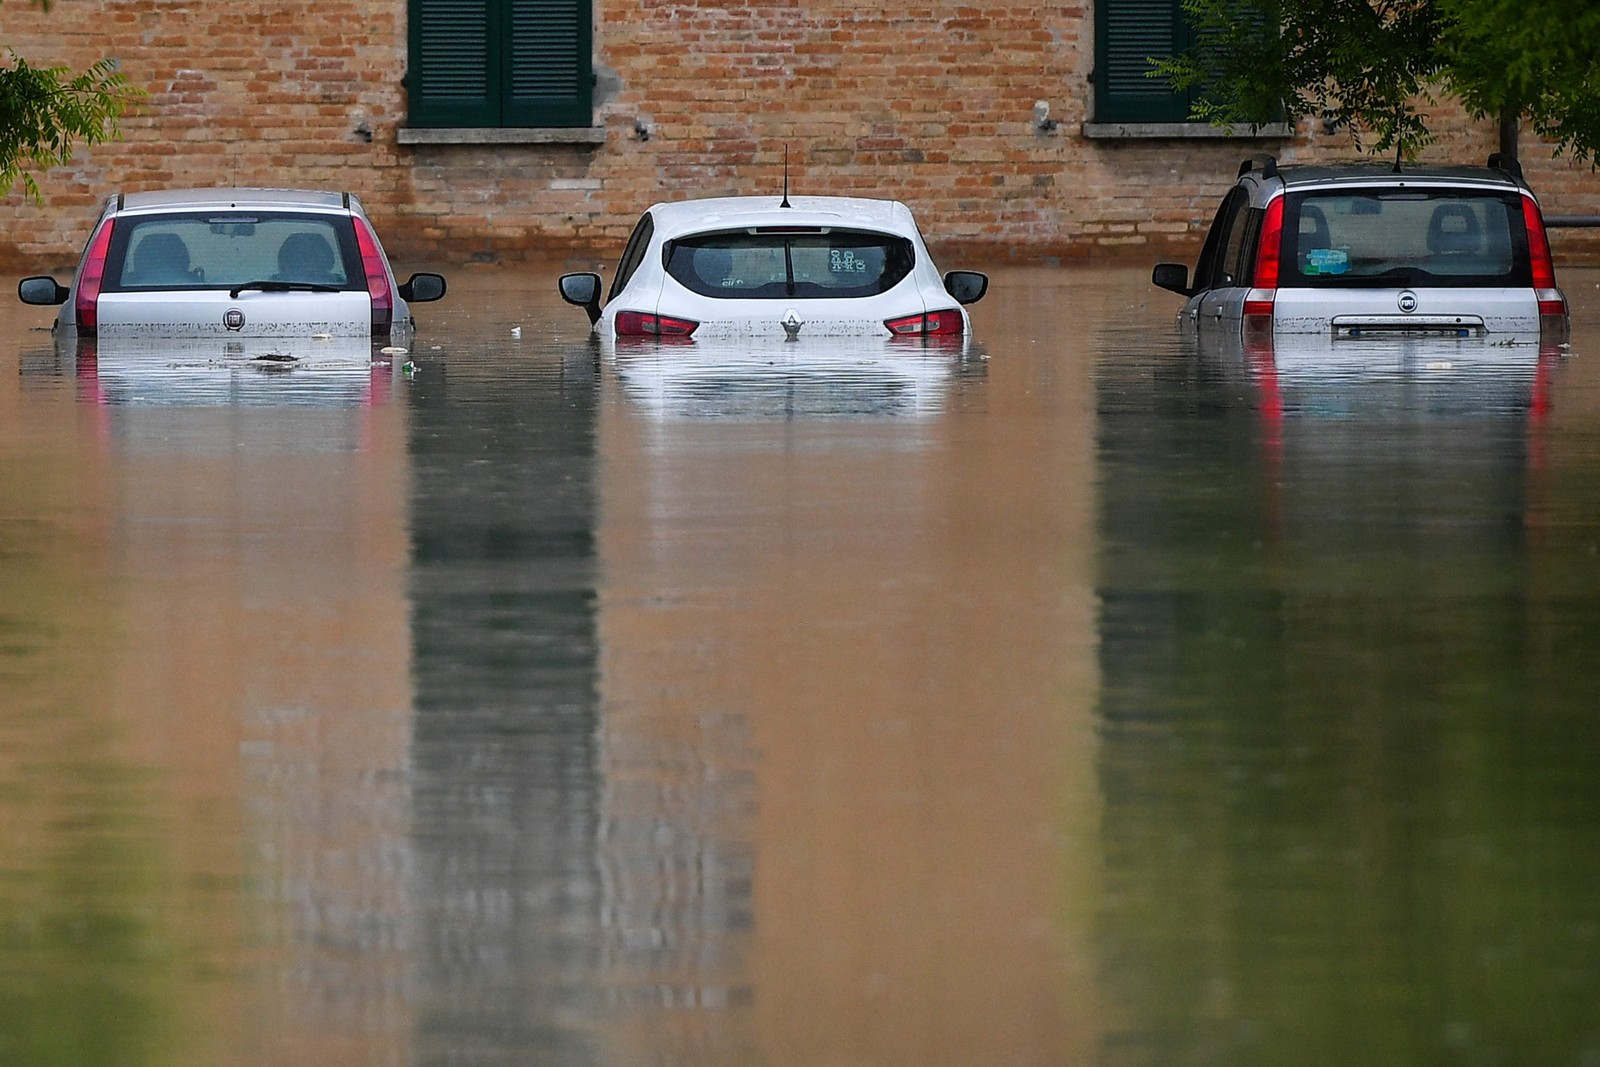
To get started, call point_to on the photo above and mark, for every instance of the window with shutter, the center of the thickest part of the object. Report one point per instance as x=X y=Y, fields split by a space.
x=500 y=63
x=1128 y=34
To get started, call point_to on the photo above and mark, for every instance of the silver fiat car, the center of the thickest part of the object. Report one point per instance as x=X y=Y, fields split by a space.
x=233 y=264
x=1366 y=250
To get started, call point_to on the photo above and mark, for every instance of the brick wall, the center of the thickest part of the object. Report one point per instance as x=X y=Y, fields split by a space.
x=931 y=103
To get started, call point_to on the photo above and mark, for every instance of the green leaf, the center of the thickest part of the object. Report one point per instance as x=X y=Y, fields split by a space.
x=46 y=111
x=1372 y=66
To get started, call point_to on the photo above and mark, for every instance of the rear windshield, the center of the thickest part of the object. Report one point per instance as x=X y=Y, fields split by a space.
x=776 y=265
x=221 y=250
x=1390 y=237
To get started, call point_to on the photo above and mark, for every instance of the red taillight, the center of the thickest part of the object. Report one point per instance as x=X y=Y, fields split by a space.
x=1552 y=304
x=1544 y=270
x=87 y=305
x=1259 y=305
x=1271 y=246
x=377 y=276
x=946 y=323
x=1263 y=294
x=644 y=324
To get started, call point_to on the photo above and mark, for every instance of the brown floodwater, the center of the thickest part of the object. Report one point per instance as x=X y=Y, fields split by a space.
x=1076 y=697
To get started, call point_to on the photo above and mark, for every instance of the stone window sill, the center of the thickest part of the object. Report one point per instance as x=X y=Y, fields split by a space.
x=1149 y=131
x=501 y=135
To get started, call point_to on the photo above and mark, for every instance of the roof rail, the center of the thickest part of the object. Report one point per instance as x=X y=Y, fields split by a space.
x=1269 y=166
x=1509 y=166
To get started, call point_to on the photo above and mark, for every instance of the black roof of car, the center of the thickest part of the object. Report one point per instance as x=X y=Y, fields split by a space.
x=1300 y=174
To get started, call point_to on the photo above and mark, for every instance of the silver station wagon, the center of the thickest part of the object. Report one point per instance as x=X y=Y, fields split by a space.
x=233 y=263
x=1365 y=250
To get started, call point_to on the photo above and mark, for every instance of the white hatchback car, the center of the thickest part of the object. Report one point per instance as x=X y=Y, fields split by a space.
x=752 y=267
x=233 y=263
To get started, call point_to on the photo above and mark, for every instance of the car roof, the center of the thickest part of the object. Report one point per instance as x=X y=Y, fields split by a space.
x=158 y=199
x=1310 y=174
x=735 y=212
x=1302 y=175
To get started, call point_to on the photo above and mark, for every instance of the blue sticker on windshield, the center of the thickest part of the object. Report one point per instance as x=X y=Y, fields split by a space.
x=1327 y=261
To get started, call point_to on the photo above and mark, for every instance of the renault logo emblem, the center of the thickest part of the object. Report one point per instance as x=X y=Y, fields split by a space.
x=791 y=324
x=1408 y=301
x=233 y=319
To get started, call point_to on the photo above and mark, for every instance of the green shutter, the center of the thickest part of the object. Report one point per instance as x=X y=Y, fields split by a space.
x=549 y=76
x=1128 y=34
x=452 y=80
x=487 y=63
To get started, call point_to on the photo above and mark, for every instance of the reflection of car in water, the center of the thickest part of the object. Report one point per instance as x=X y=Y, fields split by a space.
x=819 y=378
x=319 y=372
x=1408 y=378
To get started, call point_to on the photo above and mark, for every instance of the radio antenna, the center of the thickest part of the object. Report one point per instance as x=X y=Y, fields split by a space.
x=786 y=178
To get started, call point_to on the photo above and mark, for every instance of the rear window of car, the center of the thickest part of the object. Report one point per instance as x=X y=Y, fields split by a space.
x=222 y=250
x=788 y=264
x=1409 y=237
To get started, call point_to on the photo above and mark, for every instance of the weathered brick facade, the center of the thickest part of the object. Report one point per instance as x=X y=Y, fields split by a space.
x=931 y=103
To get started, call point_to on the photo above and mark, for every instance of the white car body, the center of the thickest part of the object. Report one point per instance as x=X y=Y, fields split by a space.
x=222 y=264
x=650 y=279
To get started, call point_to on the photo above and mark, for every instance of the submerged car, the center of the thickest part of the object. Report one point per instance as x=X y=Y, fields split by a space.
x=750 y=267
x=1366 y=249
x=233 y=263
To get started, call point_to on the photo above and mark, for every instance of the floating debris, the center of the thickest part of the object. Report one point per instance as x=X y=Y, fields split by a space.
x=516 y=331
x=394 y=350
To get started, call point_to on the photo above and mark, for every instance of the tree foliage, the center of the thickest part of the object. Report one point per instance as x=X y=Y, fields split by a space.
x=45 y=111
x=1372 y=66
x=1536 y=60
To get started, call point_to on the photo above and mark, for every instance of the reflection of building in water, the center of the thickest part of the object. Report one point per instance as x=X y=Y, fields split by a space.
x=1335 y=702
x=676 y=863
x=505 y=795
x=260 y=669
x=845 y=733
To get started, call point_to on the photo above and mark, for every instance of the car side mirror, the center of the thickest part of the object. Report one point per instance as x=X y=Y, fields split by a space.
x=967 y=286
x=42 y=290
x=1173 y=276
x=421 y=288
x=583 y=290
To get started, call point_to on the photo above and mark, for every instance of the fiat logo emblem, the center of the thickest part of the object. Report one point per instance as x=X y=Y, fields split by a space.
x=1408 y=301
x=233 y=319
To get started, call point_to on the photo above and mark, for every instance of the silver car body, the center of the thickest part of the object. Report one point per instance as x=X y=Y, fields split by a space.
x=1370 y=251
x=250 y=265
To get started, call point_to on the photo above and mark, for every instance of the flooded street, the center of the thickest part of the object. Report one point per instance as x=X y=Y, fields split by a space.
x=1073 y=699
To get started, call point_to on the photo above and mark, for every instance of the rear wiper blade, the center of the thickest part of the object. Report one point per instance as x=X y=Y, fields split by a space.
x=1393 y=278
x=283 y=287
